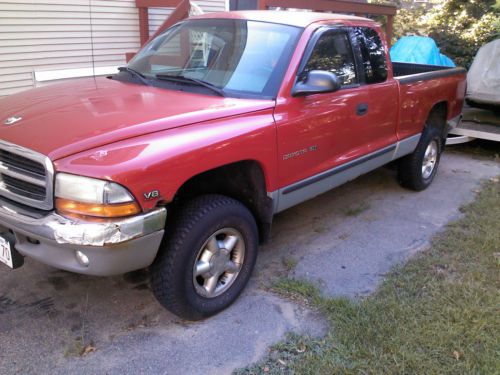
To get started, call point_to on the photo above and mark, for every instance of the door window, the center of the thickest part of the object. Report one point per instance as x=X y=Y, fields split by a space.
x=333 y=53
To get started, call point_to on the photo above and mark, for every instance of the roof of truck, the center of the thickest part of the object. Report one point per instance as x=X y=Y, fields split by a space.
x=298 y=19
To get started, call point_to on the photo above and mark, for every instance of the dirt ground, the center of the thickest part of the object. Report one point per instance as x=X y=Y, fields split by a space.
x=345 y=241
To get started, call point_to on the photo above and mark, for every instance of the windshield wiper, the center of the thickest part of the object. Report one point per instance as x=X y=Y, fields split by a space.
x=198 y=82
x=134 y=73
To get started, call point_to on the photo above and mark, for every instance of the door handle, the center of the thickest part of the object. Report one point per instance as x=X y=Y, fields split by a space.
x=362 y=109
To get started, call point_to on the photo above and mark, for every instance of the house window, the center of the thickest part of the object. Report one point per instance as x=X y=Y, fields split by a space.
x=243 y=5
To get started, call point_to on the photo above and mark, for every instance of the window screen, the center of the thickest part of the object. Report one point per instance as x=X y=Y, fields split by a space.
x=372 y=51
x=333 y=53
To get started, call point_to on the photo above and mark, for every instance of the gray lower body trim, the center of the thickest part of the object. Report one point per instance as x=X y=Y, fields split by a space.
x=274 y=195
x=315 y=185
x=406 y=146
x=338 y=170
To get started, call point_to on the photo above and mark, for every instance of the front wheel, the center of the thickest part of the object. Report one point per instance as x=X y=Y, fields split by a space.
x=207 y=257
x=417 y=170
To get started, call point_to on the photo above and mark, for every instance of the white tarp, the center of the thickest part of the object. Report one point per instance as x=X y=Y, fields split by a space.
x=483 y=78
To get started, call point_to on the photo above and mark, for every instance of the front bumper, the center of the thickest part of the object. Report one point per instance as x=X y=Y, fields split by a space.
x=112 y=247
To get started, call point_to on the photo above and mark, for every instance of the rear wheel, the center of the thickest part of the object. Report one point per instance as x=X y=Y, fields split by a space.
x=207 y=257
x=417 y=170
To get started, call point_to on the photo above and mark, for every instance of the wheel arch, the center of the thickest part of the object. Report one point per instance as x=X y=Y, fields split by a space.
x=437 y=118
x=244 y=181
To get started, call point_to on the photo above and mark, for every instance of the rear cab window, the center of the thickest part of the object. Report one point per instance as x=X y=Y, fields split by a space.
x=374 y=60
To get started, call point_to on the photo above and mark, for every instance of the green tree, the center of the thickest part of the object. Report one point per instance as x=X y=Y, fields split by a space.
x=459 y=27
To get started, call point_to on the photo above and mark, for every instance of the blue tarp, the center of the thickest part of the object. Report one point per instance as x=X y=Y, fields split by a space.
x=419 y=50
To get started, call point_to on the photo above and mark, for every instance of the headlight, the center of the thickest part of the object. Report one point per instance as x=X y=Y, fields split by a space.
x=77 y=195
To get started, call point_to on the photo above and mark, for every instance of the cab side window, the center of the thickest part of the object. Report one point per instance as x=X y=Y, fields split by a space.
x=373 y=54
x=333 y=53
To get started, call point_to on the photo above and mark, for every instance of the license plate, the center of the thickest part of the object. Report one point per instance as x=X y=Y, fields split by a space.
x=6 y=253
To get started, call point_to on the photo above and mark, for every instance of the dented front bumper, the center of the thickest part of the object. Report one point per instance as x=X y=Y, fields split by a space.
x=108 y=247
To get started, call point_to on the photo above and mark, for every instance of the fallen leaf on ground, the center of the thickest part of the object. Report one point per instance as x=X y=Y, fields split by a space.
x=301 y=349
x=88 y=349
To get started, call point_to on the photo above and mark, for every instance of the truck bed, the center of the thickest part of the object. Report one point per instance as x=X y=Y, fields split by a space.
x=421 y=88
x=405 y=69
x=409 y=72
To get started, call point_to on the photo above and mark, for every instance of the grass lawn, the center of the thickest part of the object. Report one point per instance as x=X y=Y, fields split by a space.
x=438 y=314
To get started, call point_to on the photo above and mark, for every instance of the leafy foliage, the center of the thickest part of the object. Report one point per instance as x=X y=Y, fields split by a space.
x=459 y=27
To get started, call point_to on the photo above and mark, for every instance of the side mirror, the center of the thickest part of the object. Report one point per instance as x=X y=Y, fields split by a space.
x=317 y=81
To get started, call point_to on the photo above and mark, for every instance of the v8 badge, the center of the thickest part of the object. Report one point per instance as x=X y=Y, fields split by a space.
x=152 y=194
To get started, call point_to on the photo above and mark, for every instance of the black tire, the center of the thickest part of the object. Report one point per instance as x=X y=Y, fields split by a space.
x=172 y=272
x=410 y=172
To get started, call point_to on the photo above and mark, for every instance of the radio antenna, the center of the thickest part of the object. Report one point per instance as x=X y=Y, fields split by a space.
x=92 y=39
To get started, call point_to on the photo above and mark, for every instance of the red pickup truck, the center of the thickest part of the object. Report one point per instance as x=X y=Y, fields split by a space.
x=179 y=161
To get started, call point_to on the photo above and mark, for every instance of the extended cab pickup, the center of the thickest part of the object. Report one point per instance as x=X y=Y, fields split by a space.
x=179 y=161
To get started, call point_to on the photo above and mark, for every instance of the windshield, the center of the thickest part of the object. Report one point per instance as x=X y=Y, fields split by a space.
x=242 y=58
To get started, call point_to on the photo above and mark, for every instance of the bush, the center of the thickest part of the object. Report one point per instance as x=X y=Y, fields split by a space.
x=459 y=27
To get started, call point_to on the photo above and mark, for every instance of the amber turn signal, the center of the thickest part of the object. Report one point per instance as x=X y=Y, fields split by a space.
x=72 y=208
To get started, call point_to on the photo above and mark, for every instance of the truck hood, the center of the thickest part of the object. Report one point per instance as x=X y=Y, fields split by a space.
x=63 y=119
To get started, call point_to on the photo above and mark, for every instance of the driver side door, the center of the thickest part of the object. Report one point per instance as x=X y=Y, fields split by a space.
x=321 y=131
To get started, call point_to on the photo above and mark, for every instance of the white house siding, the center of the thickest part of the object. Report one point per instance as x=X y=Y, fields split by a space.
x=48 y=35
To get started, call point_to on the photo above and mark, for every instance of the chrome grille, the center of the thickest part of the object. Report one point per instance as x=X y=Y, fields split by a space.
x=20 y=162
x=26 y=176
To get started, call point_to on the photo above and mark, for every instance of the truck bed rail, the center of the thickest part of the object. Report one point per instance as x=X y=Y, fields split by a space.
x=407 y=72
